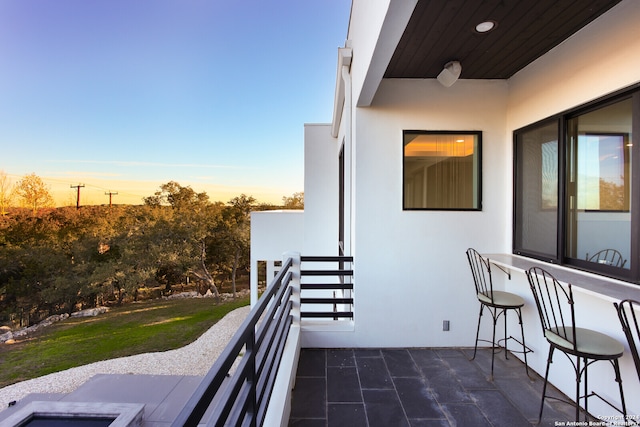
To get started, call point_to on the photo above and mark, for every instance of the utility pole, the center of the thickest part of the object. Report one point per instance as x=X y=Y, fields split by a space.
x=79 y=186
x=110 y=194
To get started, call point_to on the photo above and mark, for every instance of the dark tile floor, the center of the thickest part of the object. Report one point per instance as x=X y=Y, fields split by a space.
x=417 y=387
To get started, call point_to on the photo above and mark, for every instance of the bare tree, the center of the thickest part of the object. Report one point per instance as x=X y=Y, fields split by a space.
x=5 y=192
x=296 y=201
x=33 y=193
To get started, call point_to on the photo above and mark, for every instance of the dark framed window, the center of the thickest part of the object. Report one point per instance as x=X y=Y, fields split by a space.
x=573 y=175
x=537 y=183
x=442 y=170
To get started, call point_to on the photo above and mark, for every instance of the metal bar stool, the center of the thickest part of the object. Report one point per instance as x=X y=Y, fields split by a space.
x=611 y=257
x=497 y=303
x=627 y=313
x=627 y=310
x=557 y=315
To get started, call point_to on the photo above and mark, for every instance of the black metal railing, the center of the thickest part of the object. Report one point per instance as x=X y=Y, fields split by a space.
x=241 y=398
x=335 y=297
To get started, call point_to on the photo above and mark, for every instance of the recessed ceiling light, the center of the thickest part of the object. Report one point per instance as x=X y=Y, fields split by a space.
x=486 y=26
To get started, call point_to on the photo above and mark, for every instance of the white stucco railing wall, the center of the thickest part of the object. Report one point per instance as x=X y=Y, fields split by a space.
x=273 y=233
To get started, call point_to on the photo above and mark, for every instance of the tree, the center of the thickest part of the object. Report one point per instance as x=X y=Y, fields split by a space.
x=33 y=192
x=296 y=201
x=176 y=196
x=239 y=231
x=612 y=196
x=194 y=224
x=5 y=192
x=65 y=259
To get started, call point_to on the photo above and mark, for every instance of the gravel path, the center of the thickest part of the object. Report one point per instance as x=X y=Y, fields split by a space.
x=193 y=359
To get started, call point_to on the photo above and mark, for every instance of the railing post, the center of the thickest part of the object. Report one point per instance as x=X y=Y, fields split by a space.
x=295 y=285
x=251 y=377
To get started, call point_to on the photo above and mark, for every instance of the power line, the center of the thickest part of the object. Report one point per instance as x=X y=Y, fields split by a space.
x=110 y=193
x=79 y=186
x=50 y=180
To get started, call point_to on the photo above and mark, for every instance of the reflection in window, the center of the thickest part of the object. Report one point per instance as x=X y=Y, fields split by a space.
x=603 y=172
x=549 y=169
x=598 y=185
x=441 y=170
x=573 y=188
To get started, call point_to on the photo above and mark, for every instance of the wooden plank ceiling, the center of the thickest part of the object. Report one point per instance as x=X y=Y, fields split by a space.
x=440 y=31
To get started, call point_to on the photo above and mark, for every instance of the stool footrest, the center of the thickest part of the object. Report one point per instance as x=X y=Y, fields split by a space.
x=629 y=421
x=526 y=348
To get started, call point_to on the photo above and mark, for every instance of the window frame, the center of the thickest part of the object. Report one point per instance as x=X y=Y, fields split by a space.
x=478 y=176
x=633 y=273
x=547 y=257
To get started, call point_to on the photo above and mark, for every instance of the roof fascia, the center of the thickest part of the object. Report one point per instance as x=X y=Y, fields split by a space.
x=395 y=22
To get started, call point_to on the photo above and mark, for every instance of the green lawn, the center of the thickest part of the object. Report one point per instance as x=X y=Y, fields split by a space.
x=157 y=325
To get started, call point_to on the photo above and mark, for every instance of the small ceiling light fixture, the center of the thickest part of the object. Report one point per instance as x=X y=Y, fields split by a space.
x=450 y=73
x=485 y=26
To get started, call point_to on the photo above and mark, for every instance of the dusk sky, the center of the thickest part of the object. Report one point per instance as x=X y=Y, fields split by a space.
x=125 y=95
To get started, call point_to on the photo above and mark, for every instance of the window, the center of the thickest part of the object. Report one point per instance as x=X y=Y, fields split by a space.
x=441 y=170
x=536 y=212
x=573 y=176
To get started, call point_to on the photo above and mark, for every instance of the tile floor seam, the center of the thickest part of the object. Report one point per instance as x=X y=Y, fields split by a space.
x=395 y=388
x=473 y=399
x=364 y=404
x=504 y=395
x=326 y=387
x=446 y=414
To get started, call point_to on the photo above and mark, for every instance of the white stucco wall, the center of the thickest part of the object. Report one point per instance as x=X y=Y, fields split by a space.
x=412 y=272
x=280 y=231
x=321 y=190
x=600 y=59
x=273 y=233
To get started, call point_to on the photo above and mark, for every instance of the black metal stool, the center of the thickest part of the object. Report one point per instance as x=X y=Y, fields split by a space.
x=497 y=303
x=557 y=315
x=628 y=319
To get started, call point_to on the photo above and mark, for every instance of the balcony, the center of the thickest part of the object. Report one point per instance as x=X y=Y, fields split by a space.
x=278 y=383
x=268 y=376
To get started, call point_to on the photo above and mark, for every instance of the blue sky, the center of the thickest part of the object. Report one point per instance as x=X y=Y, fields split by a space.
x=124 y=95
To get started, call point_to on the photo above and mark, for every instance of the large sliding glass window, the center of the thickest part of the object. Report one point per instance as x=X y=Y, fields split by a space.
x=598 y=215
x=573 y=180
